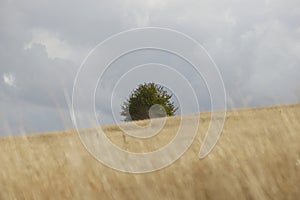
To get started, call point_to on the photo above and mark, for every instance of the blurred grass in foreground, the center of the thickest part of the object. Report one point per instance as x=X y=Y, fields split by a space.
x=257 y=157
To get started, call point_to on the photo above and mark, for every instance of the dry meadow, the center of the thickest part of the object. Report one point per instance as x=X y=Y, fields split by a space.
x=256 y=157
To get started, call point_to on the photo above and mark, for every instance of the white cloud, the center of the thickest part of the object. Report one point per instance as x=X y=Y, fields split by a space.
x=55 y=46
x=9 y=79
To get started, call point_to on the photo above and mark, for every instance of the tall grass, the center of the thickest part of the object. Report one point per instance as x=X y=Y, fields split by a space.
x=257 y=157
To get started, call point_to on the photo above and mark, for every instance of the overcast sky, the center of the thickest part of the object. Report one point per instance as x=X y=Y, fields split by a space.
x=255 y=44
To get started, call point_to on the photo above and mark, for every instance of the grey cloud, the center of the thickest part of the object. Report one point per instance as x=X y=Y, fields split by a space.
x=256 y=45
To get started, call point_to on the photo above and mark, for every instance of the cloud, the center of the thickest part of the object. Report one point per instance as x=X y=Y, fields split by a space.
x=9 y=79
x=255 y=44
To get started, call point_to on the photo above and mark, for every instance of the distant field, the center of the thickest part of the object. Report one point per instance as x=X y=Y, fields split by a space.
x=257 y=157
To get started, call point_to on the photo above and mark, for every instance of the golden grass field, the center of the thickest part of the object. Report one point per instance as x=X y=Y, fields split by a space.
x=256 y=157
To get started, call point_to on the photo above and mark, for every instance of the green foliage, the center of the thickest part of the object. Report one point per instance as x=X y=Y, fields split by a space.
x=137 y=106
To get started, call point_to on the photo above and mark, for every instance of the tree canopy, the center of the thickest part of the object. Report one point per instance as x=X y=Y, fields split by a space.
x=148 y=100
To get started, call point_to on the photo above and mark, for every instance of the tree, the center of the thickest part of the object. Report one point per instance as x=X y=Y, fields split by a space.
x=148 y=98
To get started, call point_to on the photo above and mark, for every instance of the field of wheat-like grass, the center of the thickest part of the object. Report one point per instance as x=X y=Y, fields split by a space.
x=256 y=157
